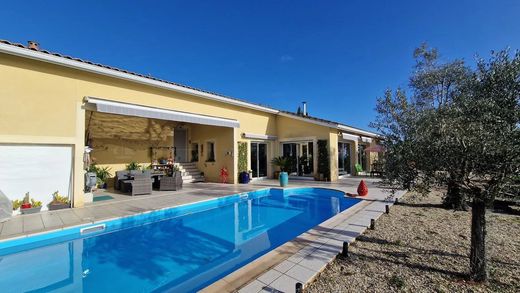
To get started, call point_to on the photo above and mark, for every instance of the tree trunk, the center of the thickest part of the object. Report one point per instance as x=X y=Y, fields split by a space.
x=454 y=197
x=477 y=256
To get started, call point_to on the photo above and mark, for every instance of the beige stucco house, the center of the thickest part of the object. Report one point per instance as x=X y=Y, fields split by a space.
x=52 y=106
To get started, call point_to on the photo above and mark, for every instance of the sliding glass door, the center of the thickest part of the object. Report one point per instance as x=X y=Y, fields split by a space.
x=300 y=155
x=289 y=150
x=362 y=157
x=344 y=158
x=259 y=159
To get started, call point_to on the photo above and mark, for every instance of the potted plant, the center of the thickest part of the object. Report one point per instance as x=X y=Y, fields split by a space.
x=243 y=177
x=283 y=163
x=177 y=174
x=102 y=174
x=133 y=167
x=163 y=161
x=27 y=205
x=304 y=163
x=58 y=202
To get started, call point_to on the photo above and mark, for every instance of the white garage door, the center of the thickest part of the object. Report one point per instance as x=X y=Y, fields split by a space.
x=40 y=170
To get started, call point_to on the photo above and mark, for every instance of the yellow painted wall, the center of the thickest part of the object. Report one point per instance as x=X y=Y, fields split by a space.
x=225 y=151
x=333 y=154
x=288 y=128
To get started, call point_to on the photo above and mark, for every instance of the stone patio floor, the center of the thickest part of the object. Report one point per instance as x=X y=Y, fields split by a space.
x=299 y=260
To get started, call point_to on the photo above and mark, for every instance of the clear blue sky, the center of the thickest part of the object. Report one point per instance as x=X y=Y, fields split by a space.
x=337 y=55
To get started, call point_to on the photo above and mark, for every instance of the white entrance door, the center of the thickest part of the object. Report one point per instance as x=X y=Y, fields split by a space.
x=180 y=142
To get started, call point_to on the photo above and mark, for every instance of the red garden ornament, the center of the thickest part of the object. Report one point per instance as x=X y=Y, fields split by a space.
x=362 y=189
x=224 y=175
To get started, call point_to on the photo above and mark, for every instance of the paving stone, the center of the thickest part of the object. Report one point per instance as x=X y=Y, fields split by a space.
x=51 y=220
x=301 y=273
x=314 y=261
x=12 y=227
x=269 y=276
x=84 y=214
x=253 y=287
x=284 y=266
x=32 y=223
x=69 y=218
x=284 y=284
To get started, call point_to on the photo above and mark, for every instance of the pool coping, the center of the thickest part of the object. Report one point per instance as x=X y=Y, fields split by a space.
x=303 y=258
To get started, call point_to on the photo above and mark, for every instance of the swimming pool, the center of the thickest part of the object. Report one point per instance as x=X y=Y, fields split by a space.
x=181 y=249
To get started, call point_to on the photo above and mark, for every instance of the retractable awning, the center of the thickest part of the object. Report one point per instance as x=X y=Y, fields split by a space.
x=126 y=109
x=350 y=136
x=366 y=139
x=259 y=136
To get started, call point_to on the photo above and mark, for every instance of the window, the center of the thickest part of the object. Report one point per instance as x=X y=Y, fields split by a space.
x=194 y=152
x=210 y=152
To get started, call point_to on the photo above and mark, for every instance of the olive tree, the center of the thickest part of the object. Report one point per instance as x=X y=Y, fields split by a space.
x=459 y=128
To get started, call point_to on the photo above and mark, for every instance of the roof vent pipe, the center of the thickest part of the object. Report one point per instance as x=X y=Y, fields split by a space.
x=33 y=45
x=304 y=108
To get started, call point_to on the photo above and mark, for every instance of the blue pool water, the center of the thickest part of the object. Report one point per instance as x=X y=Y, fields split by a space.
x=182 y=249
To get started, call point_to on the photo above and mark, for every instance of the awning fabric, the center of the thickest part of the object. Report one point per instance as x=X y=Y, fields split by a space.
x=350 y=136
x=259 y=136
x=366 y=139
x=375 y=149
x=119 y=108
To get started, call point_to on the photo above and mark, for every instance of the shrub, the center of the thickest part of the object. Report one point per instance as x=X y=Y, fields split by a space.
x=133 y=166
x=242 y=157
x=57 y=198
x=323 y=159
x=396 y=281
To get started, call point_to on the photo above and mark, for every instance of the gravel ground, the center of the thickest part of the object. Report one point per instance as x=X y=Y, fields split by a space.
x=420 y=247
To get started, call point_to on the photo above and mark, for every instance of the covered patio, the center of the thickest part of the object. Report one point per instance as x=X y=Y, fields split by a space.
x=158 y=141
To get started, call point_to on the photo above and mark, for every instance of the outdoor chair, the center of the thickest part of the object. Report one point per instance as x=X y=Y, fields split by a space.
x=118 y=179
x=171 y=182
x=135 y=172
x=141 y=184
x=359 y=169
x=377 y=169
